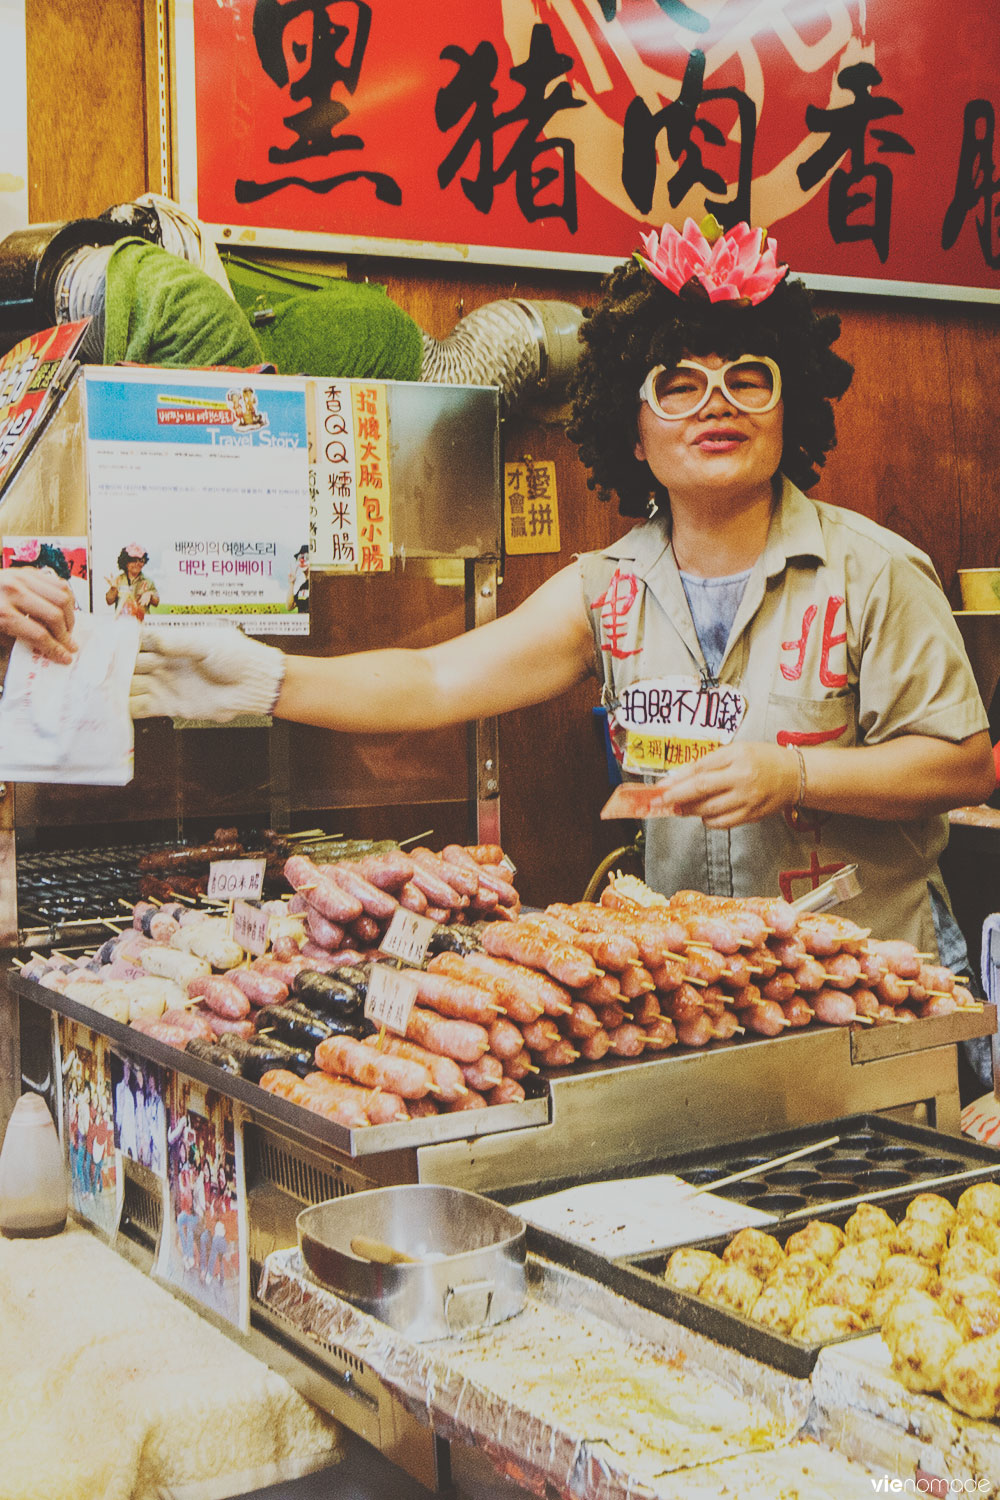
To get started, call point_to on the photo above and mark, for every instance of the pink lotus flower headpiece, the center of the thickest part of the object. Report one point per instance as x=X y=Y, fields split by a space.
x=735 y=265
x=136 y=549
x=27 y=552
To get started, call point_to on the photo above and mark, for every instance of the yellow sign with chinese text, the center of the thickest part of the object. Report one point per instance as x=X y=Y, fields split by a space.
x=371 y=445
x=530 y=507
x=645 y=752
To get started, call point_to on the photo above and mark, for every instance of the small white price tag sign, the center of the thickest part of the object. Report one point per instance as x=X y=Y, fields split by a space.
x=407 y=936
x=391 y=996
x=229 y=878
x=250 y=926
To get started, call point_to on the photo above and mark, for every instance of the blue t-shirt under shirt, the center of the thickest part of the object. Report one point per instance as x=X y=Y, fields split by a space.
x=713 y=603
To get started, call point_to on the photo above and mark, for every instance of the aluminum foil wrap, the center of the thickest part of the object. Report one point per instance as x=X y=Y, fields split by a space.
x=582 y=1391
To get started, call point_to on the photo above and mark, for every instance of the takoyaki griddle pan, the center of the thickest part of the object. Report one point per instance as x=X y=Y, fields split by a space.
x=890 y=1161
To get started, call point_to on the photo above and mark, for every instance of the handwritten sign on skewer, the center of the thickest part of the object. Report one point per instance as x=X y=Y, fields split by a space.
x=391 y=996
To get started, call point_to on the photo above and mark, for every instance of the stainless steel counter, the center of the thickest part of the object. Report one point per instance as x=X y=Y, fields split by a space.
x=609 y=1115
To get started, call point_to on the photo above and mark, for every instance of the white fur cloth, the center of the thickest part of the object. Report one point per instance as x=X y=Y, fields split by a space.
x=111 y=1389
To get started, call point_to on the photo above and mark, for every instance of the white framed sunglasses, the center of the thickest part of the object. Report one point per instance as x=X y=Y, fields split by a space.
x=751 y=383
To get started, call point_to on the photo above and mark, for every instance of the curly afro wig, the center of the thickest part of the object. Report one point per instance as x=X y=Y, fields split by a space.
x=640 y=323
x=48 y=557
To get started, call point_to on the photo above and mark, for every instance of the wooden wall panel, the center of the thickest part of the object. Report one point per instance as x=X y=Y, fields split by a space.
x=87 y=106
x=915 y=429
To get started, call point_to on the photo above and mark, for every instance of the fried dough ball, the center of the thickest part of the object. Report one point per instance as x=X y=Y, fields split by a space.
x=862 y=1259
x=973 y=1305
x=932 y=1209
x=817 y=1238
x=818 y=1324
x=883 y=1300
x=921 y=1238
x=911 y=1306
x=843 y=1291
x=760 y=1253
x=687 y=1269
x=982 y=1198
x=732 y=1286
x=922 y=1350
x=905 y=1270
x=779 y=1307
x=868 y=1221
x=970 y=1380
x=802 y=1270
x=968 y=1258
x=979 y=1228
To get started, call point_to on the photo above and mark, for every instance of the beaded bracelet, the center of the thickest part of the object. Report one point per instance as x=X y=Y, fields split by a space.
x=801 y=797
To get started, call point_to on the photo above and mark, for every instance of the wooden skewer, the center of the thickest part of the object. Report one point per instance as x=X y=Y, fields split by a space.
x=187 y=900
x=379 y=1253
x=863 y=1021
x=764 y=1166
x=922 y=1183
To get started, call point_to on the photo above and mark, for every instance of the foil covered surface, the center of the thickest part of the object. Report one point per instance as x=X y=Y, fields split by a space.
x=582 y=1391
x=863 y=1409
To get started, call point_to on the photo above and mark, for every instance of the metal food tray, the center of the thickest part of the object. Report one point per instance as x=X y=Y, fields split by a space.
x=920 y=1157
x=365 y=1141
x=789 y=1354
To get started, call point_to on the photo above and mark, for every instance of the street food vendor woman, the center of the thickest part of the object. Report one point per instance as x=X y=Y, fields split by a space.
x=809 y=651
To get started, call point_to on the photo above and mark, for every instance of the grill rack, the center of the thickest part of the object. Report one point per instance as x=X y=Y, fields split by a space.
x=73 y=895
x=62 y=894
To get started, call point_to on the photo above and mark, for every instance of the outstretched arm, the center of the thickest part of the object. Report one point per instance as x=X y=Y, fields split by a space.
x=536 y=652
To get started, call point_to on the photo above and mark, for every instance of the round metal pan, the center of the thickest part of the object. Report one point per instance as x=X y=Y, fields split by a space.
x=468 y=1267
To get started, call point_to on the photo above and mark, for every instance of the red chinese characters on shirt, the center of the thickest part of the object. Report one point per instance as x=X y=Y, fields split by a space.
x=804 y=821
x=615 y=605
x=827 y=677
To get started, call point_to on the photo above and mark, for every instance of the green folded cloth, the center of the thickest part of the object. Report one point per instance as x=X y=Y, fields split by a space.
x=312 y=324
x=161 y=310
x=349 y=330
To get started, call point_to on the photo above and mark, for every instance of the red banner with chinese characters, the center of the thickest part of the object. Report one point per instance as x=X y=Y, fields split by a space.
x=861 y=133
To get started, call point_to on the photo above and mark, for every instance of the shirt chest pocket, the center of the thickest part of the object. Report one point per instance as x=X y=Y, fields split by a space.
x=794 y=718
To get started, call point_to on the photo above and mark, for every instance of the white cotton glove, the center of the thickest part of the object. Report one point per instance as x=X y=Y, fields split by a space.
x=209 y=672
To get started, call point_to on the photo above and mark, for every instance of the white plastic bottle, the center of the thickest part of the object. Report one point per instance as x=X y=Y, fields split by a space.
x=33 y=1180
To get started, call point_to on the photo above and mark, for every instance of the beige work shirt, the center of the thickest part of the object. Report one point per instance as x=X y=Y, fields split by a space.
x=843 y=637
